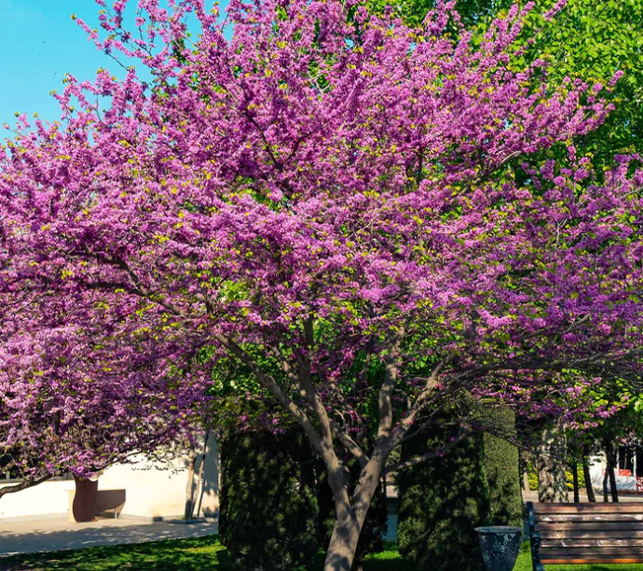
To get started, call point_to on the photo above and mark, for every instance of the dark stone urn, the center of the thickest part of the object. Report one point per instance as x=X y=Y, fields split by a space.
x=500 y=545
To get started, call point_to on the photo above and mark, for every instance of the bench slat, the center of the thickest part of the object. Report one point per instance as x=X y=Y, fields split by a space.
x=586 y=543
x=589 y=560
x=605 y=552
x=603 y=517
x=588 y=508
x=589 y=526
x=591 y=534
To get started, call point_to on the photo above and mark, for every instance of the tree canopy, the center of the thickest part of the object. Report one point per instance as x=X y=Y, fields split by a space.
x=326 y=198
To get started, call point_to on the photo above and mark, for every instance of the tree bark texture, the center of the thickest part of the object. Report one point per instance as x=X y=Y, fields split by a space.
x=343 y=542
x=552 y=484
x=352 y=515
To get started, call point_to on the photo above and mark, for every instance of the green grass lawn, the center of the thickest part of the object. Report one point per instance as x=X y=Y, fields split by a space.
x=207 y=553
x=524 y=564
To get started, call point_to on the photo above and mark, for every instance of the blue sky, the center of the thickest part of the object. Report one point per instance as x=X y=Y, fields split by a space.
x=39 y=44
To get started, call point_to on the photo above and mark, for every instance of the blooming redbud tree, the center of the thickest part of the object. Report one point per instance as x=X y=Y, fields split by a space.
x=331 y=199
x=71 y=404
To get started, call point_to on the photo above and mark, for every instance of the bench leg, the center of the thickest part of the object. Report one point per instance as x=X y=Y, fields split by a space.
x=534 y=539
x=535 y=553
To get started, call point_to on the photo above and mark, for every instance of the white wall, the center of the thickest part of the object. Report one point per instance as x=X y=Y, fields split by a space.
x=149 y=490
x=597 y=472
x=159 y=490
x=152 y=490
x=45 y=500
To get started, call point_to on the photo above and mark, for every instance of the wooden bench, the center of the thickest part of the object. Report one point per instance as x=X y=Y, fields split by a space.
x=572 y=534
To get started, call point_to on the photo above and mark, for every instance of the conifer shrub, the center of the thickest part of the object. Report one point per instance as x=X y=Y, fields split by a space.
x=268 y=512
x=502 y=469
x=443 y=500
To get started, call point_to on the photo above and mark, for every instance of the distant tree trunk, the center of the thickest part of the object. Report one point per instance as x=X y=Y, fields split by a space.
x=189 y=491
x=574 y=468
x=201 y=481
x=586 y=474
x=194 y=486
x=522 y=462
x=606 y=479
x=552 y=484
x=611 y=466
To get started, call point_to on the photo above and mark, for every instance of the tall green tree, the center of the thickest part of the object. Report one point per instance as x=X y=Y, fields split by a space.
x=587 y=40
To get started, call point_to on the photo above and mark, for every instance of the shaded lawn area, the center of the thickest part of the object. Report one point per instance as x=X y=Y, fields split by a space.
x=201 y=553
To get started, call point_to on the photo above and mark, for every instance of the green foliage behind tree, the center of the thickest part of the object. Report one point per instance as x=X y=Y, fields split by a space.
x=592 y=41
x=502 y=471
x=587 y=40
x=276 y=506
x=441 y=502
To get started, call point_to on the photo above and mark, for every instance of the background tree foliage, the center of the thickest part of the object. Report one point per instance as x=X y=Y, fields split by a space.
x=587 y=40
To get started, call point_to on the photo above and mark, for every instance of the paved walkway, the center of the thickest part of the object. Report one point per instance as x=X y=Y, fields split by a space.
x=59 y=534
x=532 y=496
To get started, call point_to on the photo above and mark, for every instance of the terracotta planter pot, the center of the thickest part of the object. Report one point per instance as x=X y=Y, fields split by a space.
x=83 y=506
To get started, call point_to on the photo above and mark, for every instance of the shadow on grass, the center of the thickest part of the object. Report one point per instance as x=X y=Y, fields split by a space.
x=386 y=565
x=388 y=560
x=206 y=553
x=195 y=554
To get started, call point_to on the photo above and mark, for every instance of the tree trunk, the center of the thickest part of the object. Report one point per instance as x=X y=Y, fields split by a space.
x=350 y=518
x=574 y=467
x=522 y=462
x=606 y=478
x=343 y=543
x=552 y=484
x=586 y=474
x=190 y=488
x=611 y=465
x=200 y=482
